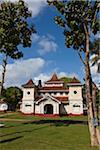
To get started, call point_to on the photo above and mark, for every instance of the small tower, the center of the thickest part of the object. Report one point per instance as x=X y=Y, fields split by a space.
x=75 y=97
x=27 y=106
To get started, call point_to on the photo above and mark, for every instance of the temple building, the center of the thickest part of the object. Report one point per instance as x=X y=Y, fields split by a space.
x=53 y=98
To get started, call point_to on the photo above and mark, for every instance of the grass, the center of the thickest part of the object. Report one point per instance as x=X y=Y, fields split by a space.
x=60 y=133
x=17 y=115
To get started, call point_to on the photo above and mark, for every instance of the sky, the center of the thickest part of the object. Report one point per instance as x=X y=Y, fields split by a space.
x=48 y=53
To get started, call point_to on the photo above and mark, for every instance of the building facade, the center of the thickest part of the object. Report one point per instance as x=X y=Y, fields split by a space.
x=53 y=98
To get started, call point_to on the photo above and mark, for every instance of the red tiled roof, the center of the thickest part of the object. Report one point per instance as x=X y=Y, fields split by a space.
x=53 y=88
x=38 y=97
x=54 y=79
x=62 y=98
x=29 y=84
x=75 y=80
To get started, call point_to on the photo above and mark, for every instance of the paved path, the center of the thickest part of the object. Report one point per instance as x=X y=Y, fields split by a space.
x=15 y=120
x=6 y=114
x=12 y=119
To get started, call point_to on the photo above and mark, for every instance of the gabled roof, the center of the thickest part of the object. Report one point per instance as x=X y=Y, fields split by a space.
x=29 y=84
x=74 y=82
x=46 y=96
x=59 y=99
x=54 y=79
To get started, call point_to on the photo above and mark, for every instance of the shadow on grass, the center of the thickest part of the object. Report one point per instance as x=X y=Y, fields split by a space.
x=48 y=123
x=14 y=133
x=11 y=139
x=58 y=122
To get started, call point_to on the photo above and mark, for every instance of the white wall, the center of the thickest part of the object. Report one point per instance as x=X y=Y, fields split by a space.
x=3 y=107
x=72 y=95
x=75 y=100
x=74 y=110
x=27 y=96
x=39 y=109
x=27 y=107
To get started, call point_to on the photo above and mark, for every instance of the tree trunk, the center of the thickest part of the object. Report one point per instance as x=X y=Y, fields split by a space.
x=91 y=115
x=94 y=93
x=3 y=72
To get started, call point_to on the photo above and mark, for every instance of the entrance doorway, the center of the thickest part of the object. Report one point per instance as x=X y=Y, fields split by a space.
x=48 y=109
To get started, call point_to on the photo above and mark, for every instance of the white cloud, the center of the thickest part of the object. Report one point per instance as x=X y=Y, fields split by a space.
x=94 y=70
x=22 y=70
x=46 y=45
x=35 y=38
x=95 y=74
x=43 y=77
x=64 y=74
x=36 y=6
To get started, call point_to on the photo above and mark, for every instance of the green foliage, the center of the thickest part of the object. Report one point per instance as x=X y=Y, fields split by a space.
x=12 y=95
x=77 y=17
x=66 y=79
x=14 y=28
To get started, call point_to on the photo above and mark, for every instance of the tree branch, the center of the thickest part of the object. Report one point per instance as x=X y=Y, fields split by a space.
x=85 y=29
x=94 y=17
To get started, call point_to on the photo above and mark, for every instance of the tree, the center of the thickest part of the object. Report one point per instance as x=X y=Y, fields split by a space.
x=79 y=21
x=12 y=96
x=14 y=31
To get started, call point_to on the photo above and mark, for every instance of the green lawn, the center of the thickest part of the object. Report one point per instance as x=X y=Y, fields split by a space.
x=60 y=133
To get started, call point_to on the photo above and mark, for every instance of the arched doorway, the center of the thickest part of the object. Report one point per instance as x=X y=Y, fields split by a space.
x=48 y=109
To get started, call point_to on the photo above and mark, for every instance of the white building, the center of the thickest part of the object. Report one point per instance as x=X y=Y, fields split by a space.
x=54 y=98
x=3 y=106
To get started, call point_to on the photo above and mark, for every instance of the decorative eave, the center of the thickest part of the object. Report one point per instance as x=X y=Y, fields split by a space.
x=46 y=96
x=53 y=89
x=54 y=82
x=74 y=84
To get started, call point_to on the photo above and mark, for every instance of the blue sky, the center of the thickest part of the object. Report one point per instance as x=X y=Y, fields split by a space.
x=48 y=53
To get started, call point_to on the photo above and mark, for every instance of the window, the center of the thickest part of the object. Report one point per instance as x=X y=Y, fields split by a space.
x=61 y=93
x=75 y=105
x=55 y=93
x=27 y=105
x=75 y=92
x=28 y=93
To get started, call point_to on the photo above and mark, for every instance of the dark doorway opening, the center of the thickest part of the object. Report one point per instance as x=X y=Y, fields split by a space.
x=48 y=109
